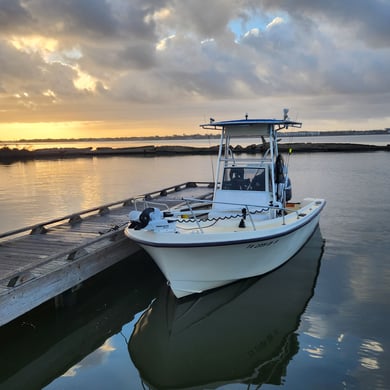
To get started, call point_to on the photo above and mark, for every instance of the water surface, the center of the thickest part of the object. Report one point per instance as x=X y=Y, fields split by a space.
x=334 y=322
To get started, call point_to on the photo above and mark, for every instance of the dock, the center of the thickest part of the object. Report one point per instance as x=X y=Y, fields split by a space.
x=40 y=262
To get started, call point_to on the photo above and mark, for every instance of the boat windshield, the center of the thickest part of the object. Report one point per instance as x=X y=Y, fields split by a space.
x=244 y=178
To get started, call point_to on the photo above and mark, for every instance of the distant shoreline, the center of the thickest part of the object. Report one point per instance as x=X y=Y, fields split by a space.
x=196 y=136
x=13 y=154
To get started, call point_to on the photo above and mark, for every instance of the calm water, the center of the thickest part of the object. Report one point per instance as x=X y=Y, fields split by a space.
x=319 y=322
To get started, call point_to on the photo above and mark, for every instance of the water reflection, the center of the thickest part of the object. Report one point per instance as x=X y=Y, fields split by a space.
x=95 y=359
x=243 y=333
x=48 y=343
x=369 y=353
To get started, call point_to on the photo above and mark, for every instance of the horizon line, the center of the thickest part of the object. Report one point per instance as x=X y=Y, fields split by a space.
x=195 y=135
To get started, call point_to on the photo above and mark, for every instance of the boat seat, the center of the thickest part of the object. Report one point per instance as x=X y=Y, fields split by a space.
x=232 y=199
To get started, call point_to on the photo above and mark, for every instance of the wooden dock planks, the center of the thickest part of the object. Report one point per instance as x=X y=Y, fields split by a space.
x=40 y=262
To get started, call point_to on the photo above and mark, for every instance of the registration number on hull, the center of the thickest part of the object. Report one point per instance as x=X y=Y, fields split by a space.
x=262 y=244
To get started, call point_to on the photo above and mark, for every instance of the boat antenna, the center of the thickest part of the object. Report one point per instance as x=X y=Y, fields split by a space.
x=286 y=118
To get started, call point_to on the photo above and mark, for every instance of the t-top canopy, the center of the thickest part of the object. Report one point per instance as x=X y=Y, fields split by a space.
x=243 y=127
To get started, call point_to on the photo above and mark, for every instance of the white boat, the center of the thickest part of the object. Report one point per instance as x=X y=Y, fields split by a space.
x=249 y=228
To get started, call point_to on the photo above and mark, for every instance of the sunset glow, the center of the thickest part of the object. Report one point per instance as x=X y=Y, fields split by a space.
x=62 y=130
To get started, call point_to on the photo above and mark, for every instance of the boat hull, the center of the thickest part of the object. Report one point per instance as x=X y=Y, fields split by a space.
x=199 y=262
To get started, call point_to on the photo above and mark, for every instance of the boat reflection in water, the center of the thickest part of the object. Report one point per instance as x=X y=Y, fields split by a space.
x=244 y=332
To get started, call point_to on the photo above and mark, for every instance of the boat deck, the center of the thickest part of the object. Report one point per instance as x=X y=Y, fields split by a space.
x=253 y=223
x=40 y=262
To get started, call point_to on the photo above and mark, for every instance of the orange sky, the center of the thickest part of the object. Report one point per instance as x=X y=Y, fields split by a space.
x=42 y=130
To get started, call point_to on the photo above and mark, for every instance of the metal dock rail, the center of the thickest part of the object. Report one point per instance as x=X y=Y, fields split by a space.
x=39 y=262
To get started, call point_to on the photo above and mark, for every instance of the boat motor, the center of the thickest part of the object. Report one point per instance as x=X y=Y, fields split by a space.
x=151 y=218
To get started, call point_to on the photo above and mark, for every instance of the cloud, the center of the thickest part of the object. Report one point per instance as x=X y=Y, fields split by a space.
x=327 y=59
x=81 y=20
x=363 y=20
x=13 y=17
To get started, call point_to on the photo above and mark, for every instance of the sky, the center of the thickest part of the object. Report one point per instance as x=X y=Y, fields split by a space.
x=118 y=68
